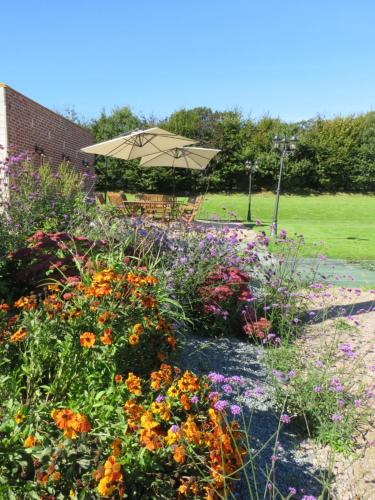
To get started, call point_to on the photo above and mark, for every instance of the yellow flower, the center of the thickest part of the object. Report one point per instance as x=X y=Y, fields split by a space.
x=133 y=339
x=138 y=329
x=106 y=486
x=173 y=392
x=19 y=417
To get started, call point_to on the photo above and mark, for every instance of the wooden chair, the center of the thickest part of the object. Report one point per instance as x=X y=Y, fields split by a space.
x=189 y=211
x=100 y=198
x=116 y=199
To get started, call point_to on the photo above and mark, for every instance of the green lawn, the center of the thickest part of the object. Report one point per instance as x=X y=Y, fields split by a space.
x=345 y=223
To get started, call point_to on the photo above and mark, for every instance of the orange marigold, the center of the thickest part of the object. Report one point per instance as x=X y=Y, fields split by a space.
x=28 y=303
x=87 y=340
x=133 y=383
x=118 y=379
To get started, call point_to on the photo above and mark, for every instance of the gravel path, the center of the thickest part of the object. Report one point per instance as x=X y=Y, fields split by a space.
x=293 y=468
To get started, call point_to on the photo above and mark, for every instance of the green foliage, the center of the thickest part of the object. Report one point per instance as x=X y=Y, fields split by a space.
x=332 y=154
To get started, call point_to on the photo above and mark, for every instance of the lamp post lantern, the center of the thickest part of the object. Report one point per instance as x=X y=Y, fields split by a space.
x=250 y=168
x=285 y=146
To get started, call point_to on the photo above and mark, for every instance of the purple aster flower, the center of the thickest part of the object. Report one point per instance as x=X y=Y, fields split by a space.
x=175 y=428
x=213 y=395
x=292 y=490
x=235 y=409
x=220 y=405
x=285 y=418
x=317 y=389
x=194 y=399
x=357 y=403
x=160 y=398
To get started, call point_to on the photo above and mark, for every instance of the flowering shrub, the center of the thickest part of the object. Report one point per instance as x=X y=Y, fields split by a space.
x=40 y=198
x=88 y=410
x=56 y=256
x=224 y=293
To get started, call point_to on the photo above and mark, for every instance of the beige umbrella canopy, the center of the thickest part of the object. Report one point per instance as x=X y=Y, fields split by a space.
x=139 y=143
x=180 y=157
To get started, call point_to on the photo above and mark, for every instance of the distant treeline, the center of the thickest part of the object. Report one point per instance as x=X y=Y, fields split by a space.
x=332 y=154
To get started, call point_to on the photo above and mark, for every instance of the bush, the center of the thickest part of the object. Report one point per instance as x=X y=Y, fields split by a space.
x=40 y=199
x=88 y=410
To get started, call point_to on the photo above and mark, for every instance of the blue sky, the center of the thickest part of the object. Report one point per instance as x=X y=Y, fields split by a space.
x=292 y=59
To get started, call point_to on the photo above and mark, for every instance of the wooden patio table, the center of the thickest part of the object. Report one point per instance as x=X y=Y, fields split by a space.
x=149 y=207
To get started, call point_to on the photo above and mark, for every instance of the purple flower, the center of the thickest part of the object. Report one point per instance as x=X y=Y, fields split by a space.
x=317 y=389
x=227 y=389
x=235 y=409
x=284 y=418
x=347 y=350
x=175 y=428
x=319 y=364
x=160 y=398
x=308 y=497
x=292 y=374
x=194 y=399
x=220 y=405
x=292 y=490
x=213 y=395
x=357 y=403
x=336 y=417
x=216 y=377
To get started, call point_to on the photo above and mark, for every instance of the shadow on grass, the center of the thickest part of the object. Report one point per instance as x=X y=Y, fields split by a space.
x=344 y=310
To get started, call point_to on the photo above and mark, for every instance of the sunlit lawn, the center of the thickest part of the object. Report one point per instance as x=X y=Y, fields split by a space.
x=344 y=222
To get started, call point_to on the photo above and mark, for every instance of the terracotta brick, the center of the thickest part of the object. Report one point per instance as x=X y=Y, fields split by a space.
x=29 y=125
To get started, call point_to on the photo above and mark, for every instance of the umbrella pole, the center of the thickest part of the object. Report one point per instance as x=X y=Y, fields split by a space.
x=105 y=178
x=174 y=194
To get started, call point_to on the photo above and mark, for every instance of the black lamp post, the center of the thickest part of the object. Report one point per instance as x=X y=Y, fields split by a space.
x=285 y=146
x=250 y=168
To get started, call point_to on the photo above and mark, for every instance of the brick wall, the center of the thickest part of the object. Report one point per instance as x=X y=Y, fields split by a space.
x=31 y=125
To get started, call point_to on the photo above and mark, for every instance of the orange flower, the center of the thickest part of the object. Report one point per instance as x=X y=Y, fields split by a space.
x=87 y=340
x=150 y=439
x=179 y=454
x=56 y=476
x=185 y=402
x=133 y=383
x=4 y=307
x=133 y=339
x=27 y=303
x=171 y=342
x=30 y=441
x=116 y=447
x=118 y=379
x=80 y=423
x=148 y=422
x=63 y=418
x=18 y=336
x=106 y=339
x=112 y=469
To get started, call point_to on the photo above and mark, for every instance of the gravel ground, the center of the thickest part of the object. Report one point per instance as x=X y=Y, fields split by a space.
x=293 y=468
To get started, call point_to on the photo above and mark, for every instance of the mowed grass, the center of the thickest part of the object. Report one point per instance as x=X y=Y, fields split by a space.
x=342 y=225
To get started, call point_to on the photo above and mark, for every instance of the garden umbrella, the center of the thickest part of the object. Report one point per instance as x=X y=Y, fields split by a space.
x=138 y=143
x=180 y=157
x=193 y=158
